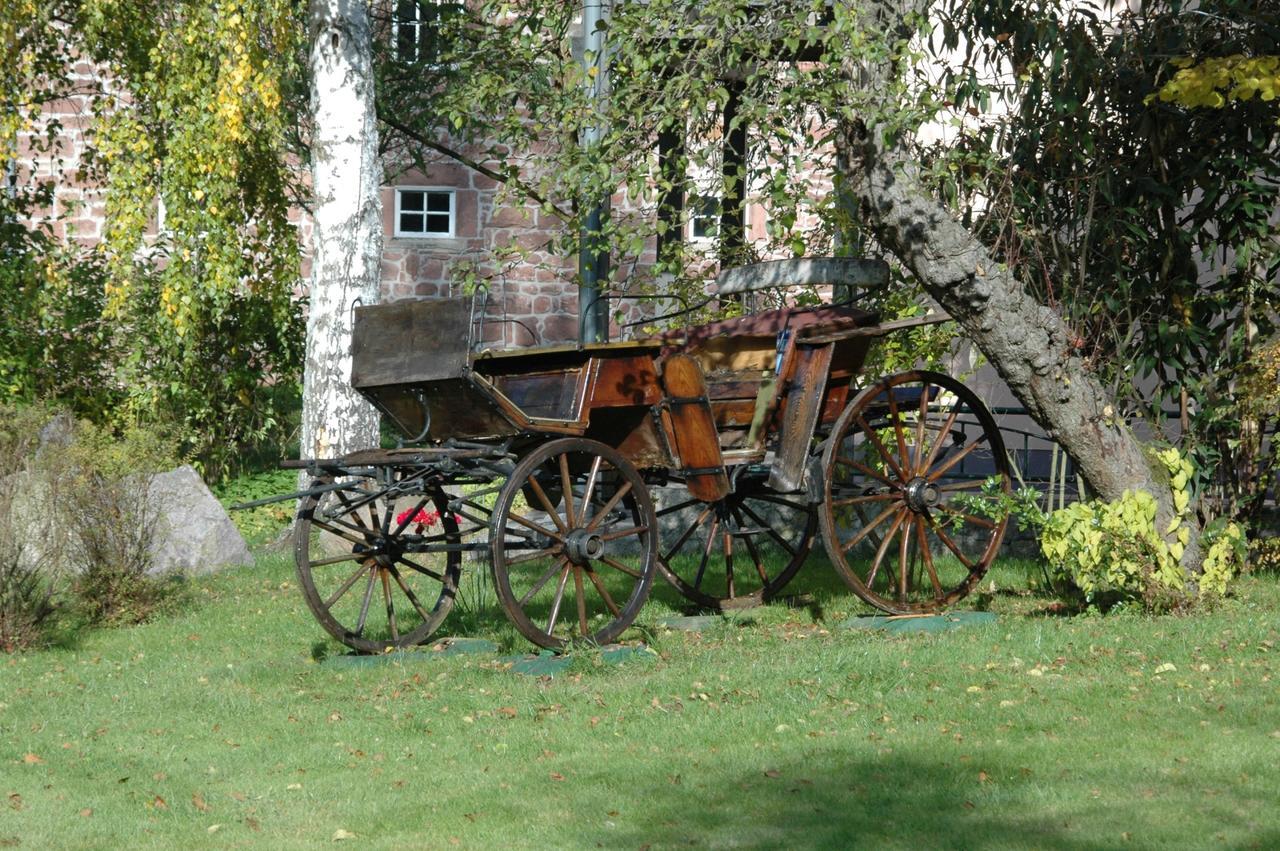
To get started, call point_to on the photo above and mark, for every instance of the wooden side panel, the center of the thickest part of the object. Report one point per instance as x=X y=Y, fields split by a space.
x=694 y=429
x=804 y=392
x=625 y=381
x=411 y=341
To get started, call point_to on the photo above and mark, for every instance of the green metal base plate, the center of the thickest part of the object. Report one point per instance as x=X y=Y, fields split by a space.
x=548 y=664
x=920 y=623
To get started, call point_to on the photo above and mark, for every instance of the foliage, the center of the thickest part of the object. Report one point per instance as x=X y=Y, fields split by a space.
x=1148 y=223
x=675 y=71
x=1215 y=81
x=1113 y=552
x=261 y=523
x=186 y=317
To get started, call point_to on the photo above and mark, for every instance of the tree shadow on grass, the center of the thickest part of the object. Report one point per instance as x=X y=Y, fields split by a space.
x=833 y=800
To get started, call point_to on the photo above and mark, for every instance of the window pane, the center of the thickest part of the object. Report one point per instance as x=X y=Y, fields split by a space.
x=437 y=223
x=411 y=223
x=438 y=202
x=411 y=201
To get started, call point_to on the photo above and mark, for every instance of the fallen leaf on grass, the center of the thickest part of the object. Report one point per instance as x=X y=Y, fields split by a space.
x=32 y=759
x=772 y=772
x=15 y=801
x=983 y=777
x=339 y=835
x=1166 y=668
x=213 y=828
x=86 y=812
x=507 y=711
x=197 y=801
x=557 y=776
x=159 y=803
x=252 y=823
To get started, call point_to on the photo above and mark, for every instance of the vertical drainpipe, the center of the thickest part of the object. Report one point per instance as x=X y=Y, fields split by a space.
x=593 y=261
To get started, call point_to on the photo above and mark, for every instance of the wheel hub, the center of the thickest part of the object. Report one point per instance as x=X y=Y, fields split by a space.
x=922 y=494
x=582 y=545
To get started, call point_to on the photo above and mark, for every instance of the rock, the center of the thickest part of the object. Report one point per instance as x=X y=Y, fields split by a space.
x=58 y=433
x=193 y=531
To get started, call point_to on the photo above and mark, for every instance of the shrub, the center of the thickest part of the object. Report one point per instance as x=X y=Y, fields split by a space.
x=27 y=592
x=113 y=526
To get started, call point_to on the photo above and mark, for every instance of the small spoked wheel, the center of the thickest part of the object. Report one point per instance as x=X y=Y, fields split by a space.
x=902 y=516
x=573 y=543
x=739 y=551
x=378 y=571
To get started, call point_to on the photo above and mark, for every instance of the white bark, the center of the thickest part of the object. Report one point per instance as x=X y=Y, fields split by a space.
x=347 y=239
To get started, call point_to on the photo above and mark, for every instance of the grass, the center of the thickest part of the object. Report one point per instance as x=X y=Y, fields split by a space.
x=234 y=723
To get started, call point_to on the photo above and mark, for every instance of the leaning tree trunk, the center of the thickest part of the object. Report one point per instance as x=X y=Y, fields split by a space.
x=1028 y=343
x=347 y=239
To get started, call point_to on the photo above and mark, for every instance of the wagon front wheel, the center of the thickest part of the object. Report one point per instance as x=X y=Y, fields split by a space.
x=573 y=544
x=377 y=572
x=903 y=517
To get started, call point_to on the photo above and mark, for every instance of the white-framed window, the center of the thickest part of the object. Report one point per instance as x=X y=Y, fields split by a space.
x=417 y=28
x=704 y=217
x=424 y=211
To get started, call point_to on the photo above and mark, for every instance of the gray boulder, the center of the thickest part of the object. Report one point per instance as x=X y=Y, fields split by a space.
x=193 y=531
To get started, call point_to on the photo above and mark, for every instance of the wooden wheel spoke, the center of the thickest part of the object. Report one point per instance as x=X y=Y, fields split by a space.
x=581 y=595
x=968 y=518
x=622 y=533
x=777 y=500
x=559 y=596
x=592 y=476
x=858 y=500
x=921 y=414
x=408 y=592
x=364 y=604
x=341 y=533
x=678 y=507
x=866 y=530
x=967 y=485
x=604 y=592
x=728 y=560
x=321 y=562
x=530 y=556
x=617 y=565
x=410 y=515
x=536 y=487
x=706 y=552
x=425 y=571
x=940 y=439
x=684 y=536
x=345 y=586
x=867 y=471
x=768 y=528
x=884 y=547
x=543 y=580
x=391 y=609
x=901 y=436
x=957 y=458
x=880 y=447
x=608 y=506
x=951 y=545
x=922 y=541
x=904 y=559
x=529 y=524
x=751 y=550
x=566 y=482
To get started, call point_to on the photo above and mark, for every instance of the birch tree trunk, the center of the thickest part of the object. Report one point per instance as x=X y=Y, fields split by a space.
x=347 y=239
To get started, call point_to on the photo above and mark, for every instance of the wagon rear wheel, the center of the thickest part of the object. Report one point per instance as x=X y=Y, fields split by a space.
x=904 y=468
x=377 y=572
x=574 y=544
x=739 y=551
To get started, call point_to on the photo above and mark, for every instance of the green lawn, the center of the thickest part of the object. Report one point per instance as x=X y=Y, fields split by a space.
x=236 y=724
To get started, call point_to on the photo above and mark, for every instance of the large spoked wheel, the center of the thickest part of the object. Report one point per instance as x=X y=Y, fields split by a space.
x=378 y=572
x=574 y=544
x=904 y=468
x=737 y=552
